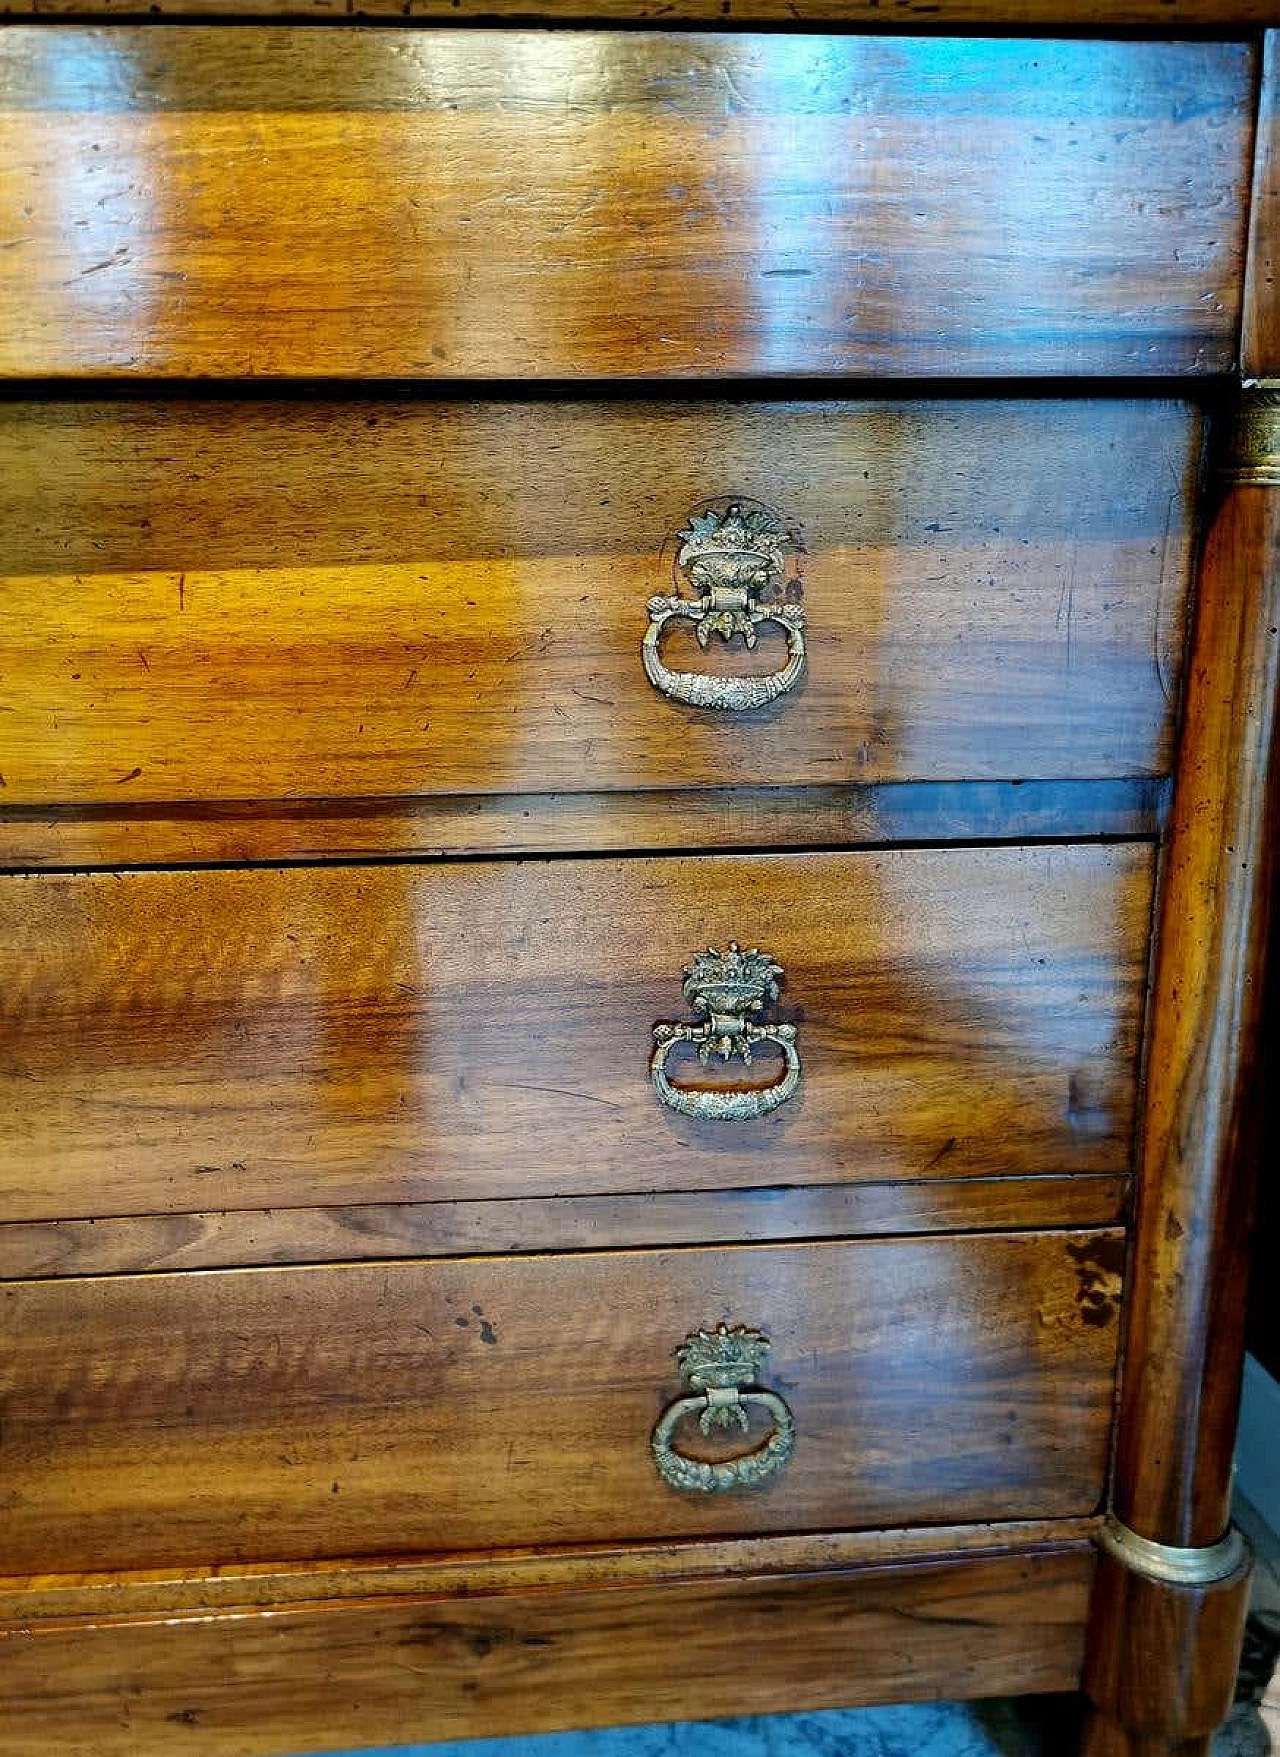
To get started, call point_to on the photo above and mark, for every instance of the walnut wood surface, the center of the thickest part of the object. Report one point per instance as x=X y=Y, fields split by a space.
x=1098 y=16
x=247 y=1586
x=176 y=1419
x=223 y=832
x=1181 y=1384
x=283 y=203
x=239 y=601
x=250 y=1686
x=1260 y=335
x=171 y=1042
x=1160 y=1667
x=413 y=1229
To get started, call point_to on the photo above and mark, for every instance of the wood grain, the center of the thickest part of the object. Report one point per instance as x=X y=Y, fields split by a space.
x=1260 y=332
x=176 y=1419
x=222 y=832
x=247 y=1586
x=231 y=601
x=414 y=1229
x=1182 y=1379
x=1100 y=16
x=175 y=1041
x=197 y=202
x=1161 y=1662
x=245 y=1686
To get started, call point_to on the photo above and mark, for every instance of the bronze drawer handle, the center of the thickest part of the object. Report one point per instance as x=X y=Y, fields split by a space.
x=725 y=987
x=729 y=558
x=719 y=1365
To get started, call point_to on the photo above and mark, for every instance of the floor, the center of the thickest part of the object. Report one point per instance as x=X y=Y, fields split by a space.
x=986 y=1729
x=1034 y=1727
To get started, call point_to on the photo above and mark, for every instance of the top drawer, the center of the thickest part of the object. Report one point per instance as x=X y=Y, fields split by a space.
x=199 y=201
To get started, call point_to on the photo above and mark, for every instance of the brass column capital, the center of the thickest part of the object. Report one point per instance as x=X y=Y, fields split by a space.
x=1250 y=450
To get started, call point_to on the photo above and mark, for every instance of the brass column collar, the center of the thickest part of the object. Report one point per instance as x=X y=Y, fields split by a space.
x=1161 y=1561
x=1251 y=448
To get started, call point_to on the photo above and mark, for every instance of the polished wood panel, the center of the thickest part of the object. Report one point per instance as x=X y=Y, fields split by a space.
x=283 y=203
x=412 y=1229
x=172 y=1042
x=175 y=1419
x=1181 y=1388
x=1260 y=337
x=567 y=823
x=242 y=1686
x=96 y=1598
x=238 y=601
x=1082 y=15
x=1160 y=1667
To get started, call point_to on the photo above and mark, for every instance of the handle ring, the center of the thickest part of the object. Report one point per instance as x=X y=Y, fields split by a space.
x=720 y=1365
x=702 y=689
x=738 y=1104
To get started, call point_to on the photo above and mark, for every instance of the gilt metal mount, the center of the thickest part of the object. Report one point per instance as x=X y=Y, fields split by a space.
x=726 y=989
x=734 y=561
x=721 y=1367
x=1251 y=455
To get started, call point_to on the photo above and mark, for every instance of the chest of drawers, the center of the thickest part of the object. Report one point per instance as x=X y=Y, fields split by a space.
x=638 y=680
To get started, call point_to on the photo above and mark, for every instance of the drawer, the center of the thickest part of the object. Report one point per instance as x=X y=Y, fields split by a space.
x=306 y=1036
x=190 y=202
x=240 y=601
x=401 y=1408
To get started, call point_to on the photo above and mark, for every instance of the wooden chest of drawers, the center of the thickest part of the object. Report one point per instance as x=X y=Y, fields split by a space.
x=586 y=1131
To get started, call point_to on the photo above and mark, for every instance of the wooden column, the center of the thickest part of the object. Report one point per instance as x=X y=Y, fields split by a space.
x=1172 y=1584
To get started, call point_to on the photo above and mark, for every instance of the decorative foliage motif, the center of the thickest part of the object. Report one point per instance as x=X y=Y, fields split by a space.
x=723 y=1359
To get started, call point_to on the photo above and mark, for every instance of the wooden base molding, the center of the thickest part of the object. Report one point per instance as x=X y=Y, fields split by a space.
x=336 y=1673
x=140 y=1595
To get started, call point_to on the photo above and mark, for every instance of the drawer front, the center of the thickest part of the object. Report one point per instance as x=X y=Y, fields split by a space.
x=185 y=1041
x=301 y=1413
x=240 y=601
x=196 y=201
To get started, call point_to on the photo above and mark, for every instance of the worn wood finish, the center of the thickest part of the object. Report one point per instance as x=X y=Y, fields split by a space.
x=244 y=1686
x=567 y=823
x=240 y=601
x=103 y=1597
x=1099 y=16
x=412 y=1229
x=284 y=203
x=163 y=1420
x=1260 y=334
x=1181 y=1385
x=1161 y=1661
x=171 y=1042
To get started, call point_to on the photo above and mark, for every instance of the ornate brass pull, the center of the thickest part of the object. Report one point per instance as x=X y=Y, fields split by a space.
x=719 y=1364
x=725 y=987
x=730 y=559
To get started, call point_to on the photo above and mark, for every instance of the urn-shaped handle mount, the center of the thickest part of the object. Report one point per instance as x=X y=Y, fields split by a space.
x=727 y=990
x=721 y=1367
x=733 y=561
